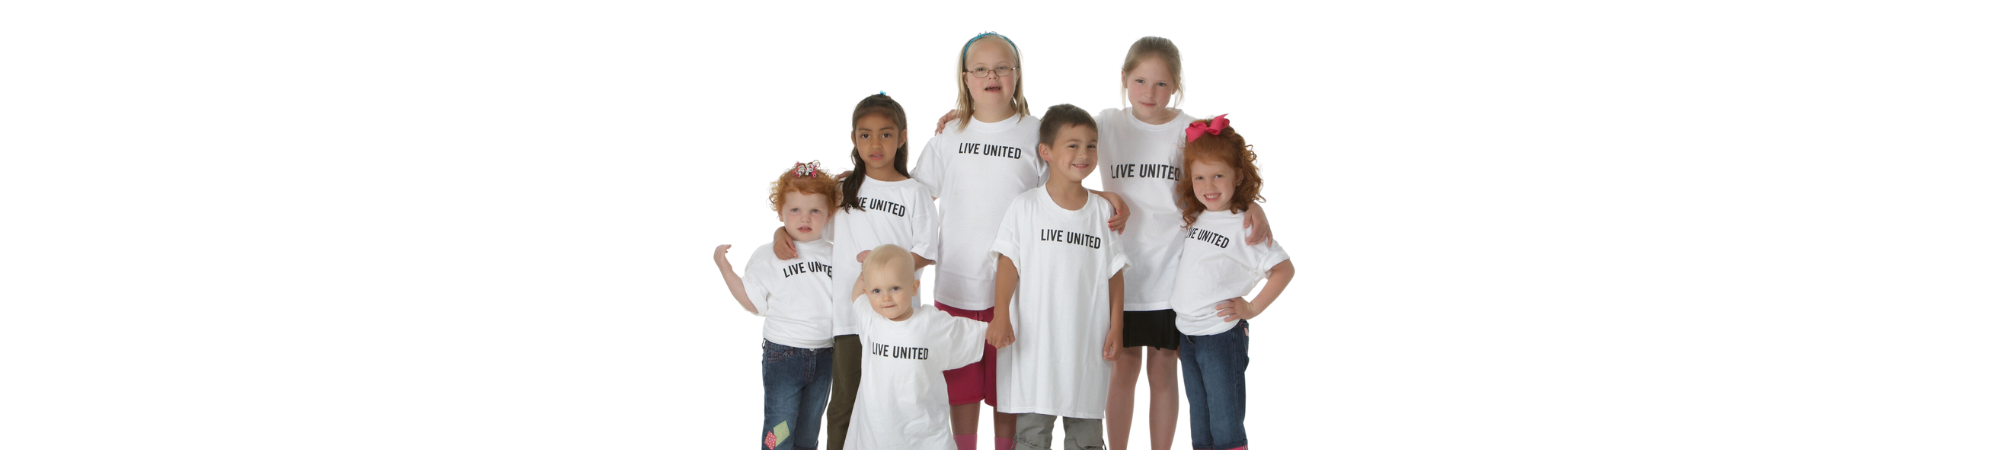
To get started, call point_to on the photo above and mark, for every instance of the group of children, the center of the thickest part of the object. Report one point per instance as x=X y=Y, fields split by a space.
x=1049 y=298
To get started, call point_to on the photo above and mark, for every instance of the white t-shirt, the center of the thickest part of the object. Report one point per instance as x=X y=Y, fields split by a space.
x=1141 y=162
x=1217 y=265
x=1062 y=306
x=791 y=294
x=976 y=173
x=891 y=212
x=902 y=402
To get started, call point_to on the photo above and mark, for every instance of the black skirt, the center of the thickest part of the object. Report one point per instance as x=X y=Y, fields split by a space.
x=1152 y=329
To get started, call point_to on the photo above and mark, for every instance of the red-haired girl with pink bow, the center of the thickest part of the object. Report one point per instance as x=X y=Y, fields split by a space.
x=1218 y=266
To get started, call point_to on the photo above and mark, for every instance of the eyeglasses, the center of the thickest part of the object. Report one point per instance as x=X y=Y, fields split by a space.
x=996 y=72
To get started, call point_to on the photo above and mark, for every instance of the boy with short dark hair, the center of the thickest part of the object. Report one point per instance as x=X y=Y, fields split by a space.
x=1060 y=289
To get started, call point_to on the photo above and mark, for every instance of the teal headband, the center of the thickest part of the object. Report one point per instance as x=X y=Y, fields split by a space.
x=968 y=47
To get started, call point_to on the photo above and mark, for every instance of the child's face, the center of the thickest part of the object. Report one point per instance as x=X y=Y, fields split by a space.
x=889 y=290
x=992 y=91
x=804 y=215
x=877 y=138
x=1074 y=154
x=1214 y=183
x=1149 y=87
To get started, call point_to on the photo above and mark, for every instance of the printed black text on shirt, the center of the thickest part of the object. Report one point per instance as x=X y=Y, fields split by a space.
x=969 y=148
x=880 y=205
x=898 y=352
x=1166 y=171
x=1051 y=234
x=807 y=267
x=1206 y=236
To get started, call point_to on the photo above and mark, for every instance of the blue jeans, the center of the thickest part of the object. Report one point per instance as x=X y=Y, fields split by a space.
x=1212 y=370
x=796 y=382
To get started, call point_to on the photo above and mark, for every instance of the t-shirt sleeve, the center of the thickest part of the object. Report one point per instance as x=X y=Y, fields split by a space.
x=753 y=280
x=832 y=221
x=1007 y=241
x=930 y=167
x=864 y=315
x=924 y=220
x=1114 y=248
x=964 y=339
x=1271 y=257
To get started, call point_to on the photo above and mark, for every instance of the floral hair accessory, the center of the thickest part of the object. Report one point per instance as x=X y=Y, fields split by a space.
x=1213 y=127
x=806 y=170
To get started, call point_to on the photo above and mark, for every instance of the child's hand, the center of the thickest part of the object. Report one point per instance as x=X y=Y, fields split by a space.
x=863 y=256
x=781 y=244
x=1236 y=309
x=722 y=255
x=999 y=334
x=1119 y=213
x=843 y=176
x=1260 y=227
x=1113 y=341
x=946 y=118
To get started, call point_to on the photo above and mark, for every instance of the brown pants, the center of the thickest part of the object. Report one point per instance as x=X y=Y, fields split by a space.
x=846 y=380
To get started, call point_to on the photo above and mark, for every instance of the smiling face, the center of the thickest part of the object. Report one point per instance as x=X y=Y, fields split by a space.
x=1073 y=155
x=1149 y=86
x=804 y=214
x=889 y=286
x=1214 y=183
x=877 y=138
x=992 y=92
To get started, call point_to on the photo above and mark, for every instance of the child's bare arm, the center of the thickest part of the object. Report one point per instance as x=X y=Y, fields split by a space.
x=1118 y=211
x=781 y=244
x=857 y=286
x=922 y=262
x=1260 y=226
x=729 y=277
x=1237 y=308
x=1000 y=333
x=1114 y=339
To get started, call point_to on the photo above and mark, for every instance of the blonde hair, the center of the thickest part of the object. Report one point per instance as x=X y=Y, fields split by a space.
x=965 y=92
x=886 y=254
x=1152 y=46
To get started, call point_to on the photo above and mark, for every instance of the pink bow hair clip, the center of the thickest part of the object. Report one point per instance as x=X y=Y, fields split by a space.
x=1213 y=127
x=806 y=170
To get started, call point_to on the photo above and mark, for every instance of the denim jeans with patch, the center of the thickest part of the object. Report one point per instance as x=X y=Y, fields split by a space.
x=796 y=383
x=1212 y=370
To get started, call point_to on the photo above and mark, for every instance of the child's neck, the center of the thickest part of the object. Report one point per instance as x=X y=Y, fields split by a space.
x=1068 y=194
x=1165 y=115
x=993 y=114
x=885 y=174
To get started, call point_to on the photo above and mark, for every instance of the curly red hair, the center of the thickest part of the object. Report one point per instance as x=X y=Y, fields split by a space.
x=817 y=183
x=1226 y=148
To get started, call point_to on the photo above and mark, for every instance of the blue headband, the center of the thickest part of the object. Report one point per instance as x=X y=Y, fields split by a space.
x=968 y=46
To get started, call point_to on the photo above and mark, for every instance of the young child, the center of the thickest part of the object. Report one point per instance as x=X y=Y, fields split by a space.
x=1216 y=269
x=792 y=298
x=902 y=402
x=1055 y=246
x=879 y=205
x=978 y=165
x=1140 y=147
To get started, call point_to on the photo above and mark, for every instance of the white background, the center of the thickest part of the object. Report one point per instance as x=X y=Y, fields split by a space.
x=487 y=225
